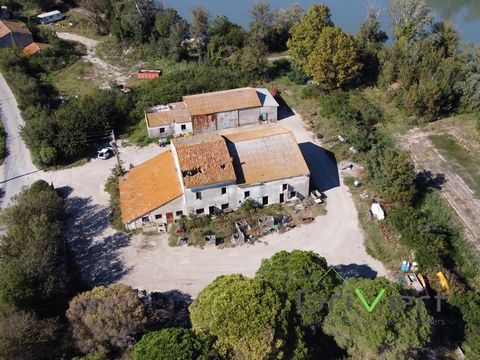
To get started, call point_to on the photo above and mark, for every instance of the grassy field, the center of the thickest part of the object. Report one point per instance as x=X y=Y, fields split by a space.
x=73 y=80
x=461 y=161
x=76 y=21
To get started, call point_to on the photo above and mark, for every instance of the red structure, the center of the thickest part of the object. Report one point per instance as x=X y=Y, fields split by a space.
x=149 y=74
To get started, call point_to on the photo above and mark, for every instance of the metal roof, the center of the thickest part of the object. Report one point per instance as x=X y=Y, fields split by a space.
x=220 y=101
x=148 y=186
x=266 y=98
x=263 y=155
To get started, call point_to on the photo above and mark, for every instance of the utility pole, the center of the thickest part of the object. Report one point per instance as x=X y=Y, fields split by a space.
x=115 y=148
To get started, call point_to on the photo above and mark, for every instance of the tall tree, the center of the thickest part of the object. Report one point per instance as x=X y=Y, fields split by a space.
x=246 y=316
x=199 y=21
x=334 y=59
x=410 y=18
x=371 y=40
x=284 y=20
x=105 y=318
x=262 y=21
x=32 y=253
x=96 y=9
x=305 y=34
x=391 y=331
x=174 y=344
x=392 y=173
x=302 y=277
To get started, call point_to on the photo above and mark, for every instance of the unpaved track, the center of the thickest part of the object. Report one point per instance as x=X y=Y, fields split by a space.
x=105 y=71
x=454 y=190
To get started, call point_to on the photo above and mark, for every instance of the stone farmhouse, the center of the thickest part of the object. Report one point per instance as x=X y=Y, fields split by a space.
x=208 y=173
x=212 y=111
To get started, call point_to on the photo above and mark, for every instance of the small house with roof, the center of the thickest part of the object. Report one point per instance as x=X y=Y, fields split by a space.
x=212 y=111
x=14 y=33
x=208 y=173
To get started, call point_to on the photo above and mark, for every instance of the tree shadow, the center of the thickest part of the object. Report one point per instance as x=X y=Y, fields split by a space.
x=356 y=271
x=323 y=167
x=429 y=181
x=166 y=309
x=96 y=257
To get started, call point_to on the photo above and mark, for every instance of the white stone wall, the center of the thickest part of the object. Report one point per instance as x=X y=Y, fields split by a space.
x=178 y=128
x=173 y=207
x=299 y=185
x=211 y=196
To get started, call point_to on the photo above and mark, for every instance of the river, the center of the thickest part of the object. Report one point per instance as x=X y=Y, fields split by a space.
x=348 y=14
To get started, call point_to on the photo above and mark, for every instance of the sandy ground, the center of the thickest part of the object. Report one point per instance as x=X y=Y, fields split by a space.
x=105 y=256
x=452 y=187
x=105 y=71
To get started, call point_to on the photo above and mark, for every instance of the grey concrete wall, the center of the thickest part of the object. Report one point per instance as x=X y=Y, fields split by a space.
x=271 y=111
x=248 y=116
x=226 y=120
x=175 y=205
x=211 y=196
x=155 y=131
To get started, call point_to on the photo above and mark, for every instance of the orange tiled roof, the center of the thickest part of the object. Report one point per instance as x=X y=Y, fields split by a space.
x=149 y=186
x=12 y=26
x=33 y=48
x=219 y=101
x=177 y=113
x=267 y=154
x=204 y=160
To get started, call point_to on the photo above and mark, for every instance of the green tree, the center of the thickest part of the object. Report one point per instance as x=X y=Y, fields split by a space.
x=246 y=316
x=409 y=18
x=173 y=344
x=301 y=276
x=262 y=21
x=304 y=35
x=32 y=252
x=334 y=59
x=24 y=336
x=199 y=21
x=105 y=318
x=391 y=331
x=371 y=40
x=392 y=173
x=284 y=20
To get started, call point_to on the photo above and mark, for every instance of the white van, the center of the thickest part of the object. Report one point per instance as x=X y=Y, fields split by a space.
x=49 y=17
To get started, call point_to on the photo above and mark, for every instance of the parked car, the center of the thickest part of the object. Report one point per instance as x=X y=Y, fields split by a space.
x=105 y=153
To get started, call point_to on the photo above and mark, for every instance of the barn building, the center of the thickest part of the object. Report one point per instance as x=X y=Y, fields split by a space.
x=208 y=173
x=212 y=111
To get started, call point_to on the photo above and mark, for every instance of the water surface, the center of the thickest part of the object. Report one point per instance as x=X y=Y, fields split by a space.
x=348 y=14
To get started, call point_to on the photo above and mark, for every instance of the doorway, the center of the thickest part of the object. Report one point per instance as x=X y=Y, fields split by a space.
x=170 y=218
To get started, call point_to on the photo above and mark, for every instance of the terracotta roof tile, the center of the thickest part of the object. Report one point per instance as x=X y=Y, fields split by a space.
x=204 y=160
x=12 y=26
x=219 y=101
x=149 y=186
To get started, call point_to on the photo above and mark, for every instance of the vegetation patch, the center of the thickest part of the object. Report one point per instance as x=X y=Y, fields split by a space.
x=461 y=161
x=74 y=80
x=112 y=188
x=223 y=225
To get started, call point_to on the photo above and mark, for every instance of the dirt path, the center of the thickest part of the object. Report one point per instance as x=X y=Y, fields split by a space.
x=454 y=190
x=105 y=72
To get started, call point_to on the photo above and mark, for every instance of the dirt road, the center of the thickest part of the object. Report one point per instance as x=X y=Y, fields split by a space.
x=454 y=190
x=17 y=169
x=106 y=72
